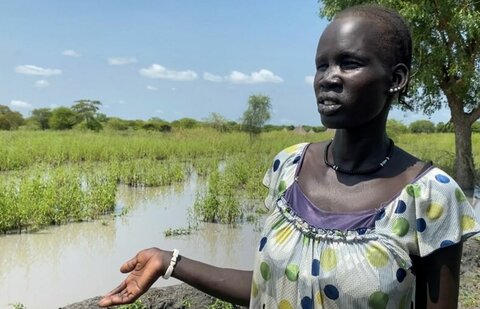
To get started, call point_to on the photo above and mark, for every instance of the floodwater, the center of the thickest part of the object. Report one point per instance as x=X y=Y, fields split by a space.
x=62 y=265
x=66 y=264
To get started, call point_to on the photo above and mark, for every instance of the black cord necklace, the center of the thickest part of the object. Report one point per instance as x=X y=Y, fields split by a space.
x=354 y=172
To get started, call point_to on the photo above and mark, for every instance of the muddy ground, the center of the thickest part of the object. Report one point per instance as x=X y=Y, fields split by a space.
x=183 y=296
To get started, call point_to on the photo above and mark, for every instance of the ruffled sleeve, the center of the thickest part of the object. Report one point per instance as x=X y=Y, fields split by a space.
x=282 y=173
x=443 y=215
x=429 y=214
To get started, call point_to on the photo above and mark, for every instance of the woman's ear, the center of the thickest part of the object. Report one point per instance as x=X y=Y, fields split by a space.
x=400 y=77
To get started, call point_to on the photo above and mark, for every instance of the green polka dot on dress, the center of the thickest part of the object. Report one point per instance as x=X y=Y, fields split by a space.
x=460 y=196
x=291 y=271
x=378 y=300
x=400 y=227
x=265 y=271
x=414 y=190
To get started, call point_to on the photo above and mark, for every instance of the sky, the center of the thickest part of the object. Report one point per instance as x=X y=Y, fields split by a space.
x=166 y=59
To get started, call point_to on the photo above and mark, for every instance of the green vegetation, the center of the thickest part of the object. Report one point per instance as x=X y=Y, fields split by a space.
x=257 y=114
x=56 y=177
x=220 y=304
x=422 y=126
x=10 y=120
x=138 y=304
x=177 y=232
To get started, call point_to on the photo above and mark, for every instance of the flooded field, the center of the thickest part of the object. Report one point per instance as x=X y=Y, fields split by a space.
x=62 y=265
x=66 y=264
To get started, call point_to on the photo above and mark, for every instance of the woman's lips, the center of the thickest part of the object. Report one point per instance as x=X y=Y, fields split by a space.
x=327 y=107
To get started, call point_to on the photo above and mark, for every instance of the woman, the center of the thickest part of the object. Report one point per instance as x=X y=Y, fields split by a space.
x=355 y=222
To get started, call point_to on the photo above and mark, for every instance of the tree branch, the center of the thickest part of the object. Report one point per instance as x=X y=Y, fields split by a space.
x=474 y=115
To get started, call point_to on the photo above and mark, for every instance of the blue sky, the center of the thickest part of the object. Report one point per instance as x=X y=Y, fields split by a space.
x=167 y=59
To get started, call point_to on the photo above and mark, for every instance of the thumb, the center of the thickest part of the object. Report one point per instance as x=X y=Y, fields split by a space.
x=129 y=265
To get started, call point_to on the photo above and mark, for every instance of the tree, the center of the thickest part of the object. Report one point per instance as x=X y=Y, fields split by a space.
x=218 y=122
x=86 y=111
x=446 y=65
x=447 y=127
x=185 y=123
x=422 y=126
x=257 y=113
x=41 y=116
x=395 y=128
x=63 y=118
x=117 y=124
x=157 y=124
x=9 y=120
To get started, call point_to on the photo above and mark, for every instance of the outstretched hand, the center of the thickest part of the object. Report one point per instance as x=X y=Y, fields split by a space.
x=145 y=268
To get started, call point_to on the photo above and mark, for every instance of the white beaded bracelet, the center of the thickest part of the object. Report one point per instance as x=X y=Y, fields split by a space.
x=170 y=268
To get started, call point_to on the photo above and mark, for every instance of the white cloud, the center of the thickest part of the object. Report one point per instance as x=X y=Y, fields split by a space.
x=152 y=88
x=70 y=53
x=158 y=71
x=309 y=79
x=262 y=76
x=20 y=104
x=159 y=111
x=121 y=60
x=212 y=77
x=34 y=70
x=122 y=102
x=41 y=83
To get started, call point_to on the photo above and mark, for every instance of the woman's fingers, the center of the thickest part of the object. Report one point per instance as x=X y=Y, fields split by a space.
x=117 y=299
x=120 y=295
x=107 y=299
x=129 y=265
x=117 y=290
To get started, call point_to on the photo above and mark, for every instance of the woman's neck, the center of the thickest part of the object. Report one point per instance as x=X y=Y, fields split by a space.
x=359 y=149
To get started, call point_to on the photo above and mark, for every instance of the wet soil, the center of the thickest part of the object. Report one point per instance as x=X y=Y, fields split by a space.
x=180 y=296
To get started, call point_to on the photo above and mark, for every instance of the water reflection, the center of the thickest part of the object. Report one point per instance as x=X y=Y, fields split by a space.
x=66 y=264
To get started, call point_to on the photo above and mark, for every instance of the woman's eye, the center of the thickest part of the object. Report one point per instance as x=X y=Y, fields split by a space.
x=322 y=67
x=350 y=65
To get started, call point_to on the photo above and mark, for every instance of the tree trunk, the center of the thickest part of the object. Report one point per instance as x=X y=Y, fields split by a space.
x=464 y=164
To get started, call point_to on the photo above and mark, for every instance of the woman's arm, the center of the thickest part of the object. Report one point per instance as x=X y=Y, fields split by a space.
x=438 y=278
x=148 y=265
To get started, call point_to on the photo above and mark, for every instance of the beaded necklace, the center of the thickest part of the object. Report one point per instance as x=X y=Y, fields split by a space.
x=354 y=172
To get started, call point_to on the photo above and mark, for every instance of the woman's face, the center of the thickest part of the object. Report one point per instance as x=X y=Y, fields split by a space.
x=352 y=81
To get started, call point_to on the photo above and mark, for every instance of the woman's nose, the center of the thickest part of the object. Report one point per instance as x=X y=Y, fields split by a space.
x=329 y=78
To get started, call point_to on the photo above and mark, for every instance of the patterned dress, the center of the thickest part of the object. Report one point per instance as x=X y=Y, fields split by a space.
x=305 y=264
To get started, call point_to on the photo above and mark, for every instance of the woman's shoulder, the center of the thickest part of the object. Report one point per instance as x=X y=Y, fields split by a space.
x=435 y=179
x=293 y=150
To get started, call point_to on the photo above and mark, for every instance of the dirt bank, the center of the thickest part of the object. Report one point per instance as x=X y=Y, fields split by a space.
x=172 y=297
x=183 y=296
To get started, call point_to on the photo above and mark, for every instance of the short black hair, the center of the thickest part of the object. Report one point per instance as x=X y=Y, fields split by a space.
x=396 y=39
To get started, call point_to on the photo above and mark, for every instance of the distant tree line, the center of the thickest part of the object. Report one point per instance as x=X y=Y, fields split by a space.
x=425 y=126
x=84 y=115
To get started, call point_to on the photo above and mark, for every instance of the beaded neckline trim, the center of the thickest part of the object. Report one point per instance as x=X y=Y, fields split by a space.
x=319 y=233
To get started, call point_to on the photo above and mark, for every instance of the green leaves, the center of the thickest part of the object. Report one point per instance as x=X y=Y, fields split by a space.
x=257 y=114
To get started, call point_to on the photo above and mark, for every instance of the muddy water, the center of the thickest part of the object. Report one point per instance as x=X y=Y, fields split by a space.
x=66 y=264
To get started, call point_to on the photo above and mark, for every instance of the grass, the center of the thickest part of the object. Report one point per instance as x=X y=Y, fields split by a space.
x=60 y=177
